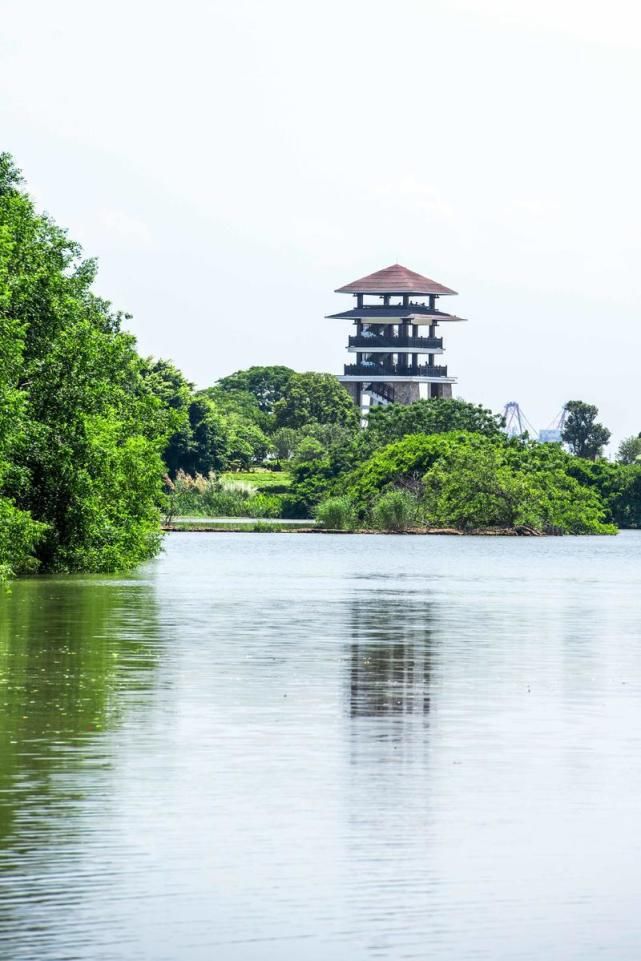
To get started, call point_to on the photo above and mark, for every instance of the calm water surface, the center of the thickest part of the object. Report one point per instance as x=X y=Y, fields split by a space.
x=282 y=746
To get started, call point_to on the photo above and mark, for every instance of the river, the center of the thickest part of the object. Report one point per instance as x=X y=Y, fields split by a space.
x=288 y=746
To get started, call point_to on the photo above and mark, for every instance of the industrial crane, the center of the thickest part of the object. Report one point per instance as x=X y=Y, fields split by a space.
x=517 y=424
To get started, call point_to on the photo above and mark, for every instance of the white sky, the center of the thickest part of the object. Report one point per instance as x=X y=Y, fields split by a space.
x=231 y=163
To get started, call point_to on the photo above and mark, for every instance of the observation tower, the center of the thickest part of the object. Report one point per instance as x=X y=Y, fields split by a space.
x=395 y=360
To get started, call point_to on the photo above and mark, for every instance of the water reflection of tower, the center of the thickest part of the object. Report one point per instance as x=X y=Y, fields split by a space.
x=390 y=655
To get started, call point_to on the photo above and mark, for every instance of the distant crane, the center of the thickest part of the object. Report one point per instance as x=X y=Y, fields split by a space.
x=517 y=424
x=554 y=433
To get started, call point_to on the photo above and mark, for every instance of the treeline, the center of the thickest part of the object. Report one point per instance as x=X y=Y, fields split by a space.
x=96 y=440
x=264 y=413
x=444 y=463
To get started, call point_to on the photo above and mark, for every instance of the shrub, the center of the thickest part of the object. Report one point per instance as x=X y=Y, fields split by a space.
x=395 y=511
x=509 y=486
x=336 y=513
x=470 y=481
x=294 y=508
x=19 y=537
x=274 y=489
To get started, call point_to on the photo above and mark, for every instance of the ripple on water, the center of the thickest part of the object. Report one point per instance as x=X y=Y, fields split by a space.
x=294 y=747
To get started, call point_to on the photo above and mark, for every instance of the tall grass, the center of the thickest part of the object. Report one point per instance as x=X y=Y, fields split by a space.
x=336 y=514
x=212 y=496
x=395 y=511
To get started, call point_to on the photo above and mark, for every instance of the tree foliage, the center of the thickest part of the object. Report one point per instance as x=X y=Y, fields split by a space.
x=174 y=393
x=470 y=481
x=618 y=485
x=435 y=416
x=629 y=451
x=80 y=432
x=496 y=485
x=318 y=398
x=267 y=385
x=583 y=435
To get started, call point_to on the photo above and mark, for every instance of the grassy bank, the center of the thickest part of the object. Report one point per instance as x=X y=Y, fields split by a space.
x=251 y=525
x=261 y=478
x=257 y=494
x=238 y=524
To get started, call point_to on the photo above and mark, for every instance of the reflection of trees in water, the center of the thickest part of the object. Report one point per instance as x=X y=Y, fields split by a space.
x=70 y=650
x=390 y=659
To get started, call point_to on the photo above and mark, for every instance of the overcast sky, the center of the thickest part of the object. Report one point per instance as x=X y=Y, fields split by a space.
x=231 y=163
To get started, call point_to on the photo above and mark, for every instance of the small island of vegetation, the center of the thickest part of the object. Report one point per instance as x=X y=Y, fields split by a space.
x=98 y=445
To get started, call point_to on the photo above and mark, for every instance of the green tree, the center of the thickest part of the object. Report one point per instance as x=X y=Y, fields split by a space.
x=309 y=449
x=82 y=457
x=211 y=439
x=436 y=416
x=174 y=393
x=266 y=384
x=332 y=437
x=248 y=444
x=242 y=403
x=19 y=533
x=629 y=451
x=473 y=487
x=318 y=398
x=618 y=485
x=401 y=465
x=583 y=435
x=285 y=440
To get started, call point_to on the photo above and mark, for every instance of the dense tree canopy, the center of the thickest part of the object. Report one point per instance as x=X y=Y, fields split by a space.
x=618 y=485
x=315 y=397
x=369 y=464
x=435 y=416
x=466 y=480
x=263 y=412
x=267 y=384
x=583 y=435
x=80 y=432
x=174 y=392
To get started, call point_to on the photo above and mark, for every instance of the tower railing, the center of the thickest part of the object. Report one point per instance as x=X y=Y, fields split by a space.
x=395 y=370
x=376 y=340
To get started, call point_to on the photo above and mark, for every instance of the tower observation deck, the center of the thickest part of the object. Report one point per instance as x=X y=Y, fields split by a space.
x=395 y=341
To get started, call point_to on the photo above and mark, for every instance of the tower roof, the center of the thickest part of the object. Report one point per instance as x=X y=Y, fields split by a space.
x=395 y=280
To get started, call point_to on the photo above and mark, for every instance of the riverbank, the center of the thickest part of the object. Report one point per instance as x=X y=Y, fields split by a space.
x=252 y=525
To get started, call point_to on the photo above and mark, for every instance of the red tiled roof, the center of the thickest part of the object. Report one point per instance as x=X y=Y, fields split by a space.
x=394 y=280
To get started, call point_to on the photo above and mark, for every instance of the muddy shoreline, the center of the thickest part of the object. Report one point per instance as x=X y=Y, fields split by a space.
x=266 y=528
